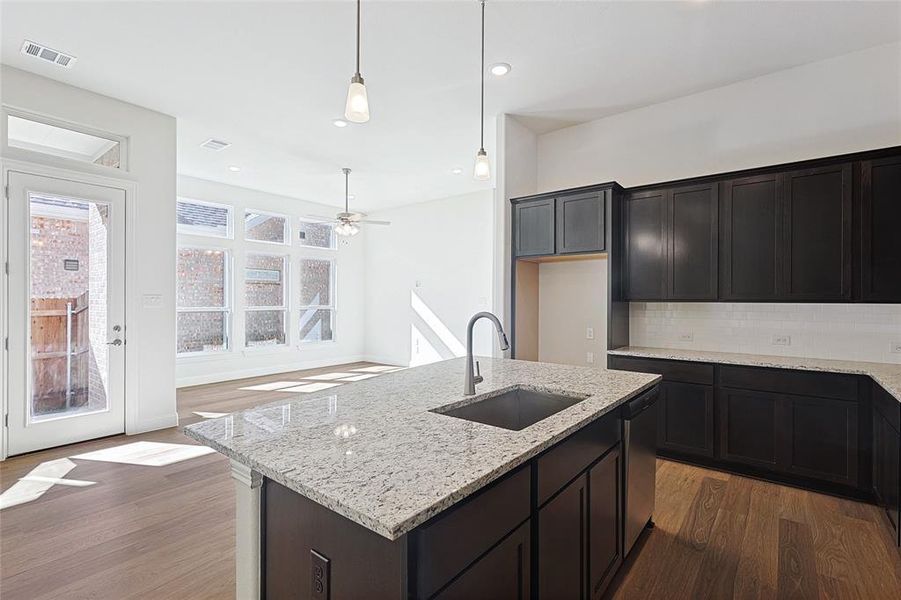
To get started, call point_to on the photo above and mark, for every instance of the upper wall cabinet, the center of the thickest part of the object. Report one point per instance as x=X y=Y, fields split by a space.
x=880 y=239
x=817 y=234
x=568 y=224
x=671 y=243
x=751 y=238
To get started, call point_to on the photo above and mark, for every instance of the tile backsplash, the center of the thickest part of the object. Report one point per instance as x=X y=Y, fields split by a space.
x=867 y=332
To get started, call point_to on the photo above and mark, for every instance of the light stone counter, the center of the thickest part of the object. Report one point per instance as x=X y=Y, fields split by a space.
x=885 y=374
x=373 y=452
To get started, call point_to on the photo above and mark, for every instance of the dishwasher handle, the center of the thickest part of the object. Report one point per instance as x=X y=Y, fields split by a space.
x=635 y=407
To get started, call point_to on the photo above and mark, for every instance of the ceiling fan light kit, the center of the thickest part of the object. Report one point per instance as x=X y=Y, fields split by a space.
x=356 y=109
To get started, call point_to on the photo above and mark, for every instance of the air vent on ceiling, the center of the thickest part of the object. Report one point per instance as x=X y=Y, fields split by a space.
x=215 y=144
x=36 y=50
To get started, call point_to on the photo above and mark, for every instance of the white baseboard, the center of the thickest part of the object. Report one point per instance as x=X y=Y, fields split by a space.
x=233 y=374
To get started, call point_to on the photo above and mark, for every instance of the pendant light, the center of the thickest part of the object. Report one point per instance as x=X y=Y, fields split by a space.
x=357 y=107
x=346 y=227
x=482 y=169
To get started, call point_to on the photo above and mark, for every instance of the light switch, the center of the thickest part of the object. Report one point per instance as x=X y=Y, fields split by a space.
x=589 y=333
x=152 y=300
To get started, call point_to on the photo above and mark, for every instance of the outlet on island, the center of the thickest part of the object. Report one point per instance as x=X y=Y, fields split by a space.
x=896 y=347
x=782 y=340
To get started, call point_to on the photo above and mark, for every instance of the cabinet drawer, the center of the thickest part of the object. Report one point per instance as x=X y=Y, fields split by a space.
x=570 y=457
x=672 y=370
x=782 y=381
x=887 y=405
x=445 y=546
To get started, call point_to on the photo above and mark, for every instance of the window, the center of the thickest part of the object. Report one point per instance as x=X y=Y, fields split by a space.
x=62 y=142
x=264 y=300
x=317 y=300
x=316 y=235
x=202 y=300
x=203 y=218
x=262 y=227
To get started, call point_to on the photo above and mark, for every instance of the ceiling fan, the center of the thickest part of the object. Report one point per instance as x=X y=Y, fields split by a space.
x=347 y=223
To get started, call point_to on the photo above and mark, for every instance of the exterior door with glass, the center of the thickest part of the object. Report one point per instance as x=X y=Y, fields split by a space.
x=66 y=312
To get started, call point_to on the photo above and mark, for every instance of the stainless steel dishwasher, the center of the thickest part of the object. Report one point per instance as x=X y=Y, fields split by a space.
x=639 y=464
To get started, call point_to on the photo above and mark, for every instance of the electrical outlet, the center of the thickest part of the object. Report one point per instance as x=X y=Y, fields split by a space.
x=687 y=337
x=589 y=333
x=589 y=357
x=782 y=340
x=896 y=347
x=319 y=576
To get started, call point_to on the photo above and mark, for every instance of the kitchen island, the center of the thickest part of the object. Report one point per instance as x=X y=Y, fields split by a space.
x=369 y=490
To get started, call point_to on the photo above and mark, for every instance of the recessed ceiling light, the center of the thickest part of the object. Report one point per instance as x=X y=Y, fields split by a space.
x=234 y=168
x=339 y=123
x=457 y=171
x=499 y=69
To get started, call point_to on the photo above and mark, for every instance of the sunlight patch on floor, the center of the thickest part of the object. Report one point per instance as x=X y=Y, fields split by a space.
x=209 y=415
x=147 y=454
x=39 y=480
x=329 y=376
x=311 y=387
x=377 y=369
x=270 y=387
x=360 y=377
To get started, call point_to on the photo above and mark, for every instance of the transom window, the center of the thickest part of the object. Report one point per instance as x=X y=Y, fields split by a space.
x=195 y=217
x=264 y=227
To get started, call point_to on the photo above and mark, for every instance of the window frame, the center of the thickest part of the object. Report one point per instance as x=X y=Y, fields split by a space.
x=287 y=229
x=227 y=308
x=284 y=307
x=333 y=238
x=332 y=259
x=195 y=231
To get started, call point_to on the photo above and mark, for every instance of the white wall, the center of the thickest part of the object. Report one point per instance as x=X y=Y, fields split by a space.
x=841 y=331
x=151 y=242
x=843 y=104
x=238 y=361
x=570 y=300
x=426 y=275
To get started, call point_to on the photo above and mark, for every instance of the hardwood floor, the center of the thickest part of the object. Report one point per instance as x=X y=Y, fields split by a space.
x=168 y=532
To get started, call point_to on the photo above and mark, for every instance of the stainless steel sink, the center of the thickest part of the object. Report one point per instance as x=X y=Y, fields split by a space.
x=514 y=409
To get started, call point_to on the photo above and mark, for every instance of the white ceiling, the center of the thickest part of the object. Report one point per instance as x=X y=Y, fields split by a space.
x=270 y=76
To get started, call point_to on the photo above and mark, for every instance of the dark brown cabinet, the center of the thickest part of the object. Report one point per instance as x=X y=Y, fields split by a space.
x=751 y=238
x=816 y=230
x=579 y=529
x=880 y=242
x=534 y=226
x=821 y=439
x=692 y=244
x=749 y=426
x=503 y=572
x=886 y=469
x=581 y=223
x=644 y=239
x=685 y=418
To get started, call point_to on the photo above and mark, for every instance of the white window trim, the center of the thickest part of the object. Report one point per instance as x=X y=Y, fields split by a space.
x=228 y=307
x=199 y=232
x=333 y=241
x=333 y=288
x=288 y=240
x=284 y=307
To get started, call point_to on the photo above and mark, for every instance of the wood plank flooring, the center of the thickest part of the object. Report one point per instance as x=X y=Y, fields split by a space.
x=168 y=532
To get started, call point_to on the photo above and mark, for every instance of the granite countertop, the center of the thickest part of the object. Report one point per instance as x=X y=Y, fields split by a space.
x=373 y=452
x=887 y=375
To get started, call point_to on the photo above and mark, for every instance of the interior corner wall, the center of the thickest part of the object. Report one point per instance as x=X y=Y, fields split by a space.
x=151 y=167
x=843 y=104
x=238 y=362
x=516 y=176
x=426 y=275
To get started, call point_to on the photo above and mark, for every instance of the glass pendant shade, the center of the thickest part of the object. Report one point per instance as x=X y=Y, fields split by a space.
x=482 y=169
x=347 y=229
x=357 y=107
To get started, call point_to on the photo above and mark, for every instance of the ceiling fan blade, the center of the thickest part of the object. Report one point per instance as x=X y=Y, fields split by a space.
x=368 y=222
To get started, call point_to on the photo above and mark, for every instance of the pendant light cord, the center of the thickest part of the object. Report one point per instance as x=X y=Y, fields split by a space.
x=482 y=113
x=358 y=37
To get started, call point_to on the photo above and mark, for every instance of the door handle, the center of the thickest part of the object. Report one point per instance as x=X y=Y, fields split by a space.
x=115 y=342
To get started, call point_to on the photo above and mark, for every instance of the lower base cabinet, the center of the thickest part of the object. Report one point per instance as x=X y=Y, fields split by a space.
x=579 y=529
x=685 y=413
x=887 y=458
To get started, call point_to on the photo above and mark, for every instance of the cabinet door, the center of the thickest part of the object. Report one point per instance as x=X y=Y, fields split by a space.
x=686 y=418
x=751 y=233
x=644 y=220
x=821 y=439
x=503 y=572
x=886 y=467
x=817 y=234
x=581 y=223
x=693 y=243
x=562 y=546
x=749 y=427
x=880 y=243
x=604 y=522
x=534 y=227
